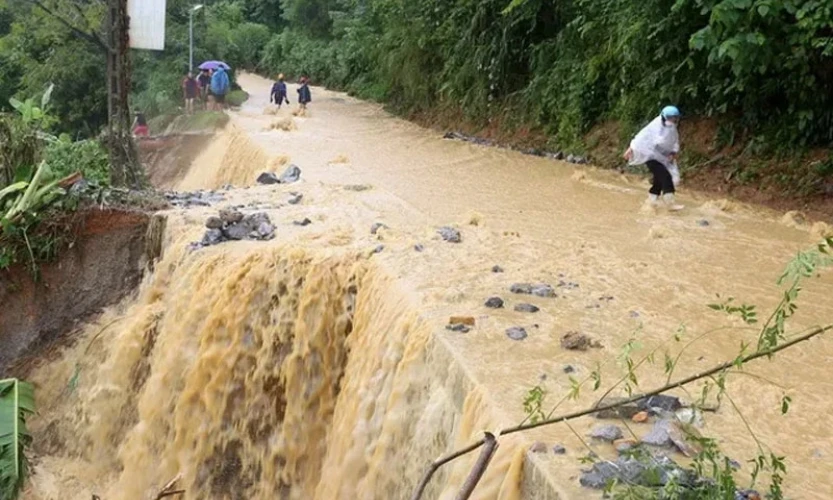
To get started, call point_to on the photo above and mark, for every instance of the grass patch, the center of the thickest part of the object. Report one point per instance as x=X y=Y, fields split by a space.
x=237 y=97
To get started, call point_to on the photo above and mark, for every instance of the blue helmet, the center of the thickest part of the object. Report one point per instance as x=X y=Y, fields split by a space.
x=670 y=112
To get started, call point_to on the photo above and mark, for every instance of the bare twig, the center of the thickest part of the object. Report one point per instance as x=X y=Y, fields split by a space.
x=169 y=493
x=479 y=468
x=572 y=416
x=168 y=489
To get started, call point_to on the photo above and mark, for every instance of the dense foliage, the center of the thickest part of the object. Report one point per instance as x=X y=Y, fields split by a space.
x=762 y=67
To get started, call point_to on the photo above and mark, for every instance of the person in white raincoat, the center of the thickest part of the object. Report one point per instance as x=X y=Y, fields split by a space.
x=657 y=146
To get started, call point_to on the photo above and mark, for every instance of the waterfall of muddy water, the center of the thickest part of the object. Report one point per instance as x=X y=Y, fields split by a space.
x=312 y=367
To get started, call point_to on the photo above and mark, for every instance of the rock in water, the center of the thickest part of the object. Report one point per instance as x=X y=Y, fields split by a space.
x=214 y=222
x=543 y=290
x=669 y=432
x=212 y=237
x=459 y=327
x=497 y=269
x=296 y=198
x=651 y=472
x=521 y=288
x=419 y=247
x=376 y=227
x=516 y=333
x=305 y=222
x=268 y=178
x=559 y=449
x=609 y=433
x=661 y=402
x=494 y=302
x=529 y=308
x=237 y=232
x=575 y=341
x=230 y=216
x=379 y=249
x=450 y=234
x=265 y=231
x=538 y=447
x=290 y=175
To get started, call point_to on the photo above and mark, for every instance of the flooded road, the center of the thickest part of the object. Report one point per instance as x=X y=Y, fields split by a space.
x=409 y=388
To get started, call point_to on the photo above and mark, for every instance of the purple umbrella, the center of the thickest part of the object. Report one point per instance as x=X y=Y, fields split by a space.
x=214 y=65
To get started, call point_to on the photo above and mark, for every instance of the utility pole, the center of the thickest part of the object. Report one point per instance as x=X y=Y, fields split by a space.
x=125 y=169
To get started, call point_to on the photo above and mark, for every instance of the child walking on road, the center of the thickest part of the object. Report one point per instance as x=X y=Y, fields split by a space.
x=278 y=94
x=657 y=146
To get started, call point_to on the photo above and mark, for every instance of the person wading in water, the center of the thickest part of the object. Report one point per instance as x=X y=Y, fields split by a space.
x=278 y=94
x=657 y=146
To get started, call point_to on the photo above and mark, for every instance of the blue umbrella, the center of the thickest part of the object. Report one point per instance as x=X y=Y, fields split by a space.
x=214 y=65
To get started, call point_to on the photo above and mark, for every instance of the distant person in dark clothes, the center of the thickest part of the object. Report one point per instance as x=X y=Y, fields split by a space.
x=278 y=94
x=204 y=80
x=219 y=87
x=189 y=92
x=304 y=95
x=140 y=125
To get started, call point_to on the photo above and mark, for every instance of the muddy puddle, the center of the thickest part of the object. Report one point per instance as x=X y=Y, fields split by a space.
x=318 y=365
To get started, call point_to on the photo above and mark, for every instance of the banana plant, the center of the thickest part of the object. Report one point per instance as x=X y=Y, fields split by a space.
x=37 y=194
x=17 y=402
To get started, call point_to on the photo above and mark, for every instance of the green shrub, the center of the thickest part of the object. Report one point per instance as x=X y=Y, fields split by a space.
x=88 y=157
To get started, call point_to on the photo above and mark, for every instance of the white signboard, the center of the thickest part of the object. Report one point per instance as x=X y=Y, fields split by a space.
x=147 y=24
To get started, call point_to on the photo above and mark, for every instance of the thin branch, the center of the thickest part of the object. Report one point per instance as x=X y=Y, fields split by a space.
x=479 y=468
x=633 y=399
x=93 y=38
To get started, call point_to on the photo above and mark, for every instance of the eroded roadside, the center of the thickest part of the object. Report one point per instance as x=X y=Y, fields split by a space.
x=342 y=320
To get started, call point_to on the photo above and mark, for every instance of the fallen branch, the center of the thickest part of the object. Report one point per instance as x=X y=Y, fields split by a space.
x=168 y=490
x=479 y=468
x=572 y=416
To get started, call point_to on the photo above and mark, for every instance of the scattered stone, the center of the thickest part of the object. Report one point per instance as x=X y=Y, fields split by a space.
x=529 y=308
x=576 y=341
x=627 y=410
x=633 y=314
x=265 y=229
x=660 y=402
x=268 y=178
x=569 y=369
x=450 y=234
x=521 y=288
x=691 y=416
x=734 y=464
x=606 y=298
x=569 y=285
x=305 y=222
x=609 y=433
x=237 y=232
x=703 y=223
x=516 y=333
x=214 y=222
x=378 y=249
x=462 y=320
x=290 y=175
x=419 y=247
x=669 y=432
x=660 y=434
x=194 y=198
x=494 y=303
x=230 y=216
x=497 y=269
x=458 y=328
x=376 y=227
x=212 y=237
x=748 y=495
x=543 y=290
x=640 y=418
x=296 y=198
x=358 y=187
x=625 y=445
x=559 y=449
x=538 y=447
x=227 y=187
x=651 y=471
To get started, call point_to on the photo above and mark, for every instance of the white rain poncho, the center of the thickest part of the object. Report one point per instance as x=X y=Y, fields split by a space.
x=656 y=142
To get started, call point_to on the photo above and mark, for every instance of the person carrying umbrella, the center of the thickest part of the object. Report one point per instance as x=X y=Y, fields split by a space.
x=220 y=87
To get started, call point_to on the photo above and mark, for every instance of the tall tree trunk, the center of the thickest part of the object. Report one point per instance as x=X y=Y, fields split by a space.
x=125 y=168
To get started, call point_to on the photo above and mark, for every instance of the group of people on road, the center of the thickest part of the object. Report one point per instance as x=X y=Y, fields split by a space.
x=211 y=87
x=278 y=94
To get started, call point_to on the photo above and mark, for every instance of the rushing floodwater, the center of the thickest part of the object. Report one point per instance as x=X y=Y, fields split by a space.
x=303 y=367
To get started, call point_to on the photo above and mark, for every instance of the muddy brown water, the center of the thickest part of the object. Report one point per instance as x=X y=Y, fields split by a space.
x=310 y=367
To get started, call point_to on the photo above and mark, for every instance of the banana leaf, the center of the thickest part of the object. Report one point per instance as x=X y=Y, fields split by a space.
x=11 y=189
x=17 y=402
x=28 y=199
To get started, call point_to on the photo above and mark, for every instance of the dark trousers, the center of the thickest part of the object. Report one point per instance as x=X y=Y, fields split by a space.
x=661 y=182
